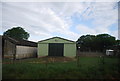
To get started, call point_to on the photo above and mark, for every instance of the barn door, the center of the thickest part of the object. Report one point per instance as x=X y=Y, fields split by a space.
x=56 y=49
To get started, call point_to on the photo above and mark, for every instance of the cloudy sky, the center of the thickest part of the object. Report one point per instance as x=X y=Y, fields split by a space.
x=69 y=20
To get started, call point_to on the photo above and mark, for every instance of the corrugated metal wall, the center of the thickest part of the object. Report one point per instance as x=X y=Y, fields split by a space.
x=70 y=50
x=25 y=52
x=42 y=50
x=9 y=49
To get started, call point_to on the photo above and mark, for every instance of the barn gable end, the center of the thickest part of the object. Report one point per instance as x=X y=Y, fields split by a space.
x=56 y=40
x=56 y=46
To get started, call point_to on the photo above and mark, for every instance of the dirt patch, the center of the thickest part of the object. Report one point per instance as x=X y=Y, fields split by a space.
x=56 y=59
x=46 y=59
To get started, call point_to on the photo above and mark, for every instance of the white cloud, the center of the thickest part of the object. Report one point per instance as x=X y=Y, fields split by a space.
x=70 y=34
x=60 y=0
x=43 y=19
x=103 y=14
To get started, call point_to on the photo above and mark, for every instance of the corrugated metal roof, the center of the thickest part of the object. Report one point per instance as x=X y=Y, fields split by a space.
x=20 y=42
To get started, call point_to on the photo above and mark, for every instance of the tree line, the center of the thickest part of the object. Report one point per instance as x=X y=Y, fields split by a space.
x=98 y=43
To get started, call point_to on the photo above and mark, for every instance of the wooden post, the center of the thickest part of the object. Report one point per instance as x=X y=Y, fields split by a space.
x=77 y=60
x=78 y=57
x=14 y=55
x=46 y=63
x=118 y=60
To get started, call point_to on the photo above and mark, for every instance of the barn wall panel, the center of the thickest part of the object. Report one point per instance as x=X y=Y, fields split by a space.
x=25 y=51
x=70 y=50
x=9 y=49
x=43 y=50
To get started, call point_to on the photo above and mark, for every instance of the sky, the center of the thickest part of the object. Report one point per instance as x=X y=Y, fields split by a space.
x=68 y=20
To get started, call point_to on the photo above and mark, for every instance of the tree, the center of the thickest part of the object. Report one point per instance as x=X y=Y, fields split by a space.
x=99 y=42
x=105 y=41
x=17 y=33
x=86 y=42
x=117 y=42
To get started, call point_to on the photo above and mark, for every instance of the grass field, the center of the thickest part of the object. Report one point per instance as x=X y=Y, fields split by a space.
x=45 y=68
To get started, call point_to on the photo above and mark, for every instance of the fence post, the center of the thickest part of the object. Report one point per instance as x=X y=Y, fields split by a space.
x=78 y=52
x=77 y=60
x=46 y=63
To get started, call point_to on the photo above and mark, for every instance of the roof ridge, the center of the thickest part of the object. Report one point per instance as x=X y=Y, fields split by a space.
x=57 y=37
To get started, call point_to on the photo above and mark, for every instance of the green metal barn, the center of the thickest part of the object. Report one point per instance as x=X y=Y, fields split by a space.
x=56 y=46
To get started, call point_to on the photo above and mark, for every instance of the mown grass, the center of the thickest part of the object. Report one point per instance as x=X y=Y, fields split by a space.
x=88 y=68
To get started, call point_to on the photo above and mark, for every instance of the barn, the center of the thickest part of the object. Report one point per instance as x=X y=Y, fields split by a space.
x=56 y=46
x=17 y=49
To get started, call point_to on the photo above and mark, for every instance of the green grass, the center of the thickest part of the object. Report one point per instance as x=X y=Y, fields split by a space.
x=88 y=68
